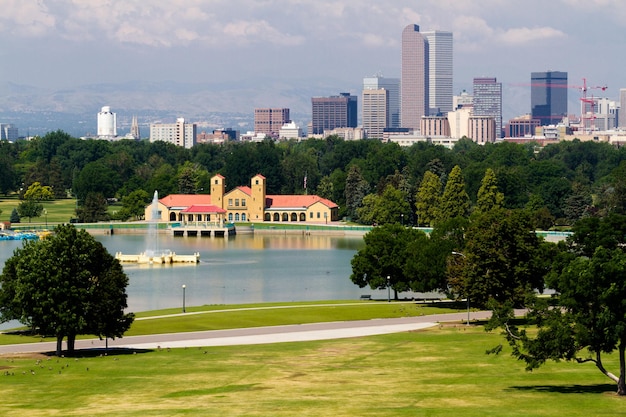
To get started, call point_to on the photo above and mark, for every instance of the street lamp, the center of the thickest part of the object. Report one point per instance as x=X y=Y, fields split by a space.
x=388 y=289
x=45 y=213
x=402 y=217
x=467 y=295
x=184 y=287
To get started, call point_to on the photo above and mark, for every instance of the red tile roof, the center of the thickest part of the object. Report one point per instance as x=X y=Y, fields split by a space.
x=290 y=201
x=185 y=200
x=245 y=189
x=203 y=209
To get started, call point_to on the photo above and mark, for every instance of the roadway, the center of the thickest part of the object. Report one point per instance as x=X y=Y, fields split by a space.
x=258 y=335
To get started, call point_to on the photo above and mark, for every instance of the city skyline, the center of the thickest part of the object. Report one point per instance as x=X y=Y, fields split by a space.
x=58 y=45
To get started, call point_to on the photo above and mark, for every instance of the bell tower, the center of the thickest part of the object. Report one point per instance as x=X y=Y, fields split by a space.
x=217 y=190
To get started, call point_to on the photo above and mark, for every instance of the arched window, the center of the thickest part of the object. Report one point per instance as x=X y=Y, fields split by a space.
x=294 y=217
x=243 y=217
x=302 y=217
x=285 y=217
x=236 y=217
x=172 y=217
x=267 y=217
x=230 y=217
x=276 y=217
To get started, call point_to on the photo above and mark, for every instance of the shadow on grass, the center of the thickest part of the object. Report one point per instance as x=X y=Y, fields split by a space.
x=96 y=352
x=569 y=389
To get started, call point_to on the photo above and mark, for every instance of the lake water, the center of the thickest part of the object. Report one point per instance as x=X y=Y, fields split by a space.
x=238 y=269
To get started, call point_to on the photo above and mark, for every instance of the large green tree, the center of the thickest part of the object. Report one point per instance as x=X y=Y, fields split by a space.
x=489 y=197
x=428 y=199
x=454 y=200
x=390 y=207
x=65 y=285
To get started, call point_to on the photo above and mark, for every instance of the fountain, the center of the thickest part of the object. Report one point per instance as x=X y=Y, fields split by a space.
x=153 y=255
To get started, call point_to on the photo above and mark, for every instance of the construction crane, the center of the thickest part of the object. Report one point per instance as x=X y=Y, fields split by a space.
x=587 y=103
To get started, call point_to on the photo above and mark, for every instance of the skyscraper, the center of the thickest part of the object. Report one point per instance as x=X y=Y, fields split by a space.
x=331 y=112
x=622 y=109
x=440 y=71
x=488 y=100
x=392 y=85
x=414 y=79
x=269 y=121
x=374 y=105
x=107 y=123
x=548 y=96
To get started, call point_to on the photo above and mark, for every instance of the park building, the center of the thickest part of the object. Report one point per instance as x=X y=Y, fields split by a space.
x=244 y=204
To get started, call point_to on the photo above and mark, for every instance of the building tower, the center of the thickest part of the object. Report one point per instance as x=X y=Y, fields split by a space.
x=134 y=129
x=548 y=96
x=107 y=123
x=269 y=121
x=333 y=112
x=414 y=96
x=375 y=105
x=622 y=109
x=488 y=101
x=440 y=71
x=256 y=207
x=392 y=85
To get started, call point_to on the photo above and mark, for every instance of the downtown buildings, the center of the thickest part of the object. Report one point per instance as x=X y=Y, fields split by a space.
x=179 y=133
x=487 y=101
x=269 y=121
x=548 y=96
x=333 y=112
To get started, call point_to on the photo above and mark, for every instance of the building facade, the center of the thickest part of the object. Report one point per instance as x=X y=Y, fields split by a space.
x=332 y=112
x=482 y=129
x=487 y=100
x=392 y=85
x=548 y=96
x=107 y=123
x=414 y=89
x=8 y=132
x=622 y=109
x=435 y=126
x=269 y=121
x=440 y=71
x=520 y=127
x=179 y=133
x=375 y=105
x=244 y=204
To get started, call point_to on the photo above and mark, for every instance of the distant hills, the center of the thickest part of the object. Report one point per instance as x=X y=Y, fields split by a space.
x=36 y=110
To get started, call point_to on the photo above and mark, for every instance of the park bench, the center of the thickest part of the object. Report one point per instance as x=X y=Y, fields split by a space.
x=366 y=297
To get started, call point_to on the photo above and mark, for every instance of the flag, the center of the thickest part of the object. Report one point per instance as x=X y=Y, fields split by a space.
x=305 y=181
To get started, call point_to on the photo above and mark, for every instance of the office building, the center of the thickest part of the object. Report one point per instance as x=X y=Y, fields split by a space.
x=331 y=112
x=464 y=99
x=269 y=121
x=487 y=100
x=522 y=126
x=392 y=85
x=622 y=109
x=375 y=105
x=414 y=97
x=435 y=126
x=440 y=71
x=8 y=132
x=107 y=123
x=179 y=133
x=548 y=96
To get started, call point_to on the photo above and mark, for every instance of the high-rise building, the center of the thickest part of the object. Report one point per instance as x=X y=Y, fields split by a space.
x=107 y=123
x=622 y=109
x=548 y=96
x=440 y=71
x=269 y=121
x=179 y=133
x=374 y=105
x=414 y=98
x=331 y=112
x=488 y=100
x=392 y=85
x=8 y=132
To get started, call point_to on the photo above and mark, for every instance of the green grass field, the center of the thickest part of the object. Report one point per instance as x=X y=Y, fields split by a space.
x=442 y=371
x=437 y=372
x=59 y=211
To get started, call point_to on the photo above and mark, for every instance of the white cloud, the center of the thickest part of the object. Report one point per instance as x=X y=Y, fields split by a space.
x=28 y=18
x=248 y=32
x=517 y=36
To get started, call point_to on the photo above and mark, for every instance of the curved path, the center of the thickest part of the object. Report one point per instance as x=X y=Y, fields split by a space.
x=259 y=335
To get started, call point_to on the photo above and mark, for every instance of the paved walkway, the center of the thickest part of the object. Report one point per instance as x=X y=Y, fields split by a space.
x=259 y=335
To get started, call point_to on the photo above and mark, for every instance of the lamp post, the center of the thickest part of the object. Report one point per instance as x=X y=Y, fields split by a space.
x=388 y=289
x=467 y=295
x=45 y=213
x=184 y=288
x=402 y=217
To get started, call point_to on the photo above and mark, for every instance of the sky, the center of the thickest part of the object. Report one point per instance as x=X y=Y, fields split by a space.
x=63 y=43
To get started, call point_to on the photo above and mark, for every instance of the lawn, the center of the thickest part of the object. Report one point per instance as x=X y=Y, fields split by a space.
x=442 y=371
x=59 y=211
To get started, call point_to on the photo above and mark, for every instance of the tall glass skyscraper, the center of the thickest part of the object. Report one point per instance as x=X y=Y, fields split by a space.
x=332 y=112
x=440 y=71
x=548 y=96
x=488 y=100
x=414 y=98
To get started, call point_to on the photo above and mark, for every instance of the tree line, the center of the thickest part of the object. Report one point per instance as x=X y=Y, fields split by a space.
x=560 y=183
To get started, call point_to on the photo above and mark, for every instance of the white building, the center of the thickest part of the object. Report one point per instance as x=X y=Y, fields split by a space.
x=464 y=99
x=290 y=131
x=8 y=132
x=375 y=115
x=440 y=71
x=392 y=85
x=179 y=133
x=107 y=123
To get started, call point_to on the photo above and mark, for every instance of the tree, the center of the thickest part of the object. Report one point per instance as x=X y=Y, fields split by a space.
x=384 y=256
x=37 y=192
x=30 y=209
x=134 y=205
x=356 y=190
x=390 y=207
x=502 y=262
x=64 y=286
x=590 y=320
x=488 y=195
x=454 y=200
x=428 y=199
x=94 y=209
x=15 y=217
